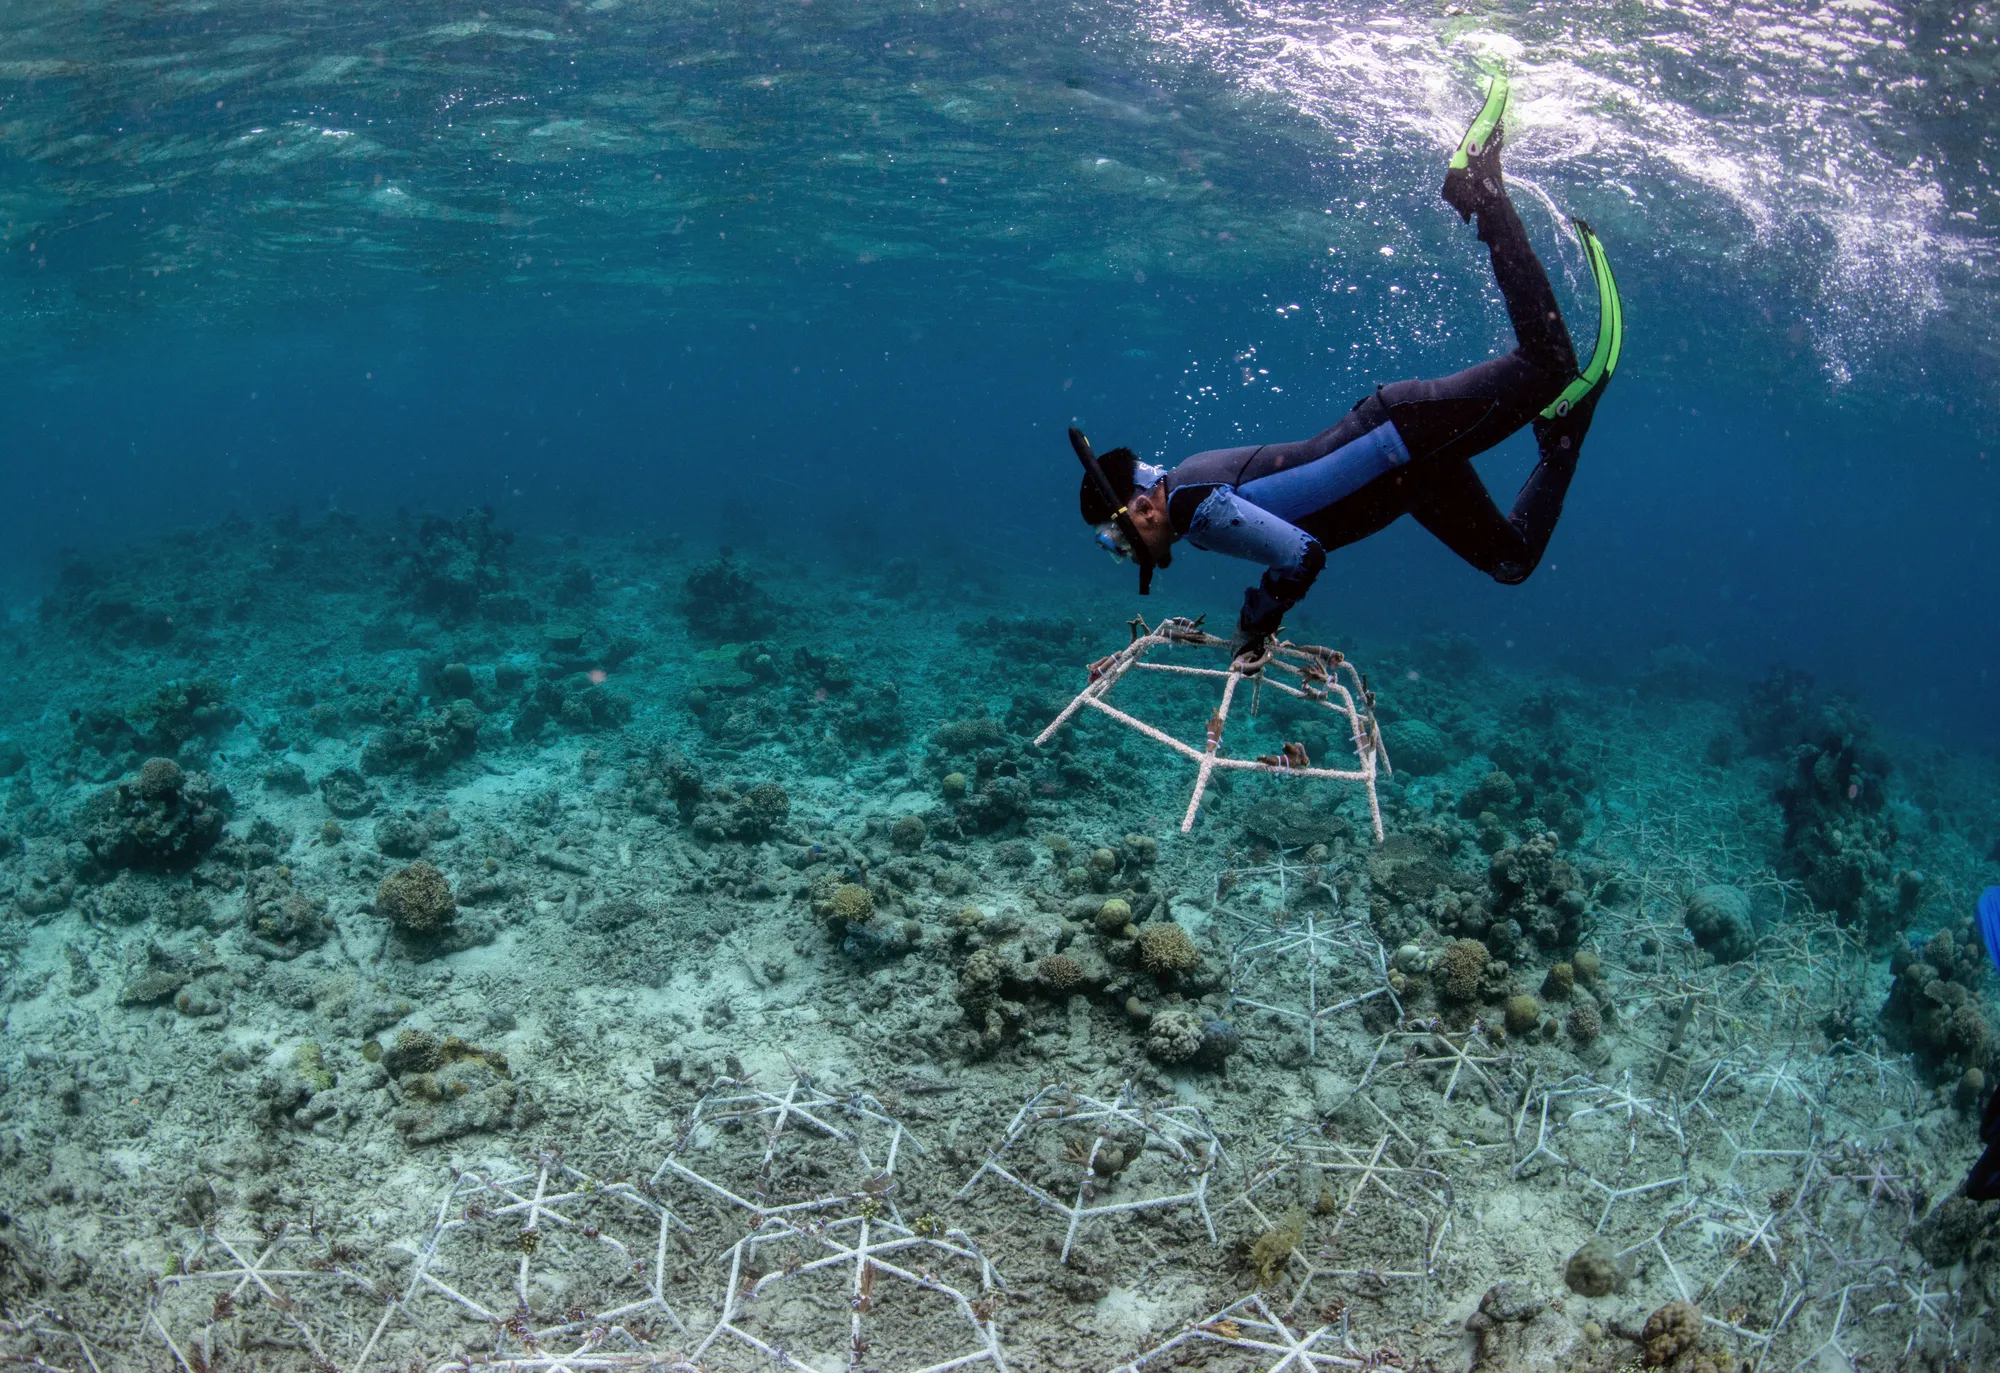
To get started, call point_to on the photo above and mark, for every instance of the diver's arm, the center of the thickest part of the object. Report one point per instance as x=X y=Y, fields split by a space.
x=1226 y=523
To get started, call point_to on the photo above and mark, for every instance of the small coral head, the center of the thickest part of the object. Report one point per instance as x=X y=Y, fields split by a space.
x=597 y=676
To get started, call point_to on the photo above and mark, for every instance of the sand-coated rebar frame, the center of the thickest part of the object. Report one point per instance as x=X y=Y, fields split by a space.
x=1325 y=677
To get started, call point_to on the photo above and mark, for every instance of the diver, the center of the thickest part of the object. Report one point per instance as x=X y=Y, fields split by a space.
x=1406 y=449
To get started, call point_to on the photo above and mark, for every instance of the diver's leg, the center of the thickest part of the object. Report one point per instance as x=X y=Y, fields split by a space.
x=1562 y=435
x=1466 y=413
x=1475 y=185
x=1456 y=507
x=1524 y=285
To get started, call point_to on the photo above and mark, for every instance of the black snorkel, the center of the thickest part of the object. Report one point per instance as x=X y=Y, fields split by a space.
x=1141 y=554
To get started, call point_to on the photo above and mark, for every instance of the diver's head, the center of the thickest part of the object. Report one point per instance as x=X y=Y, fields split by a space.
x=1141 y=490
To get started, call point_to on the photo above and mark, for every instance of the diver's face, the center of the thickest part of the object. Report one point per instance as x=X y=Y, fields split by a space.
x=1148 y=513
x=1149 y=516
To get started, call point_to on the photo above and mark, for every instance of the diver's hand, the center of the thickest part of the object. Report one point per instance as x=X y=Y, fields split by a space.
x=1248 y=653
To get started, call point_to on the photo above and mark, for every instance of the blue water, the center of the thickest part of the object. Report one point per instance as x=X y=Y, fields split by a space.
x=849 y=272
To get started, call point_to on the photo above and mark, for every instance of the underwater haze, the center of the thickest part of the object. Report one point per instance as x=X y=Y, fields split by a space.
x=817 y=259
x=539 y=544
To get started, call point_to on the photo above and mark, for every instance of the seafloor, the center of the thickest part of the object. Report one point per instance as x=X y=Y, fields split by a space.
x=427 y=947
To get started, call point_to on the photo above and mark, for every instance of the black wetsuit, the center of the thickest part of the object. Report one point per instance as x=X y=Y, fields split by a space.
x=1406 y=449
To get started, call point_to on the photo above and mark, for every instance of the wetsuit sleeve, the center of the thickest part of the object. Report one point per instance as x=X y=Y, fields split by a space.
x=1226 y=523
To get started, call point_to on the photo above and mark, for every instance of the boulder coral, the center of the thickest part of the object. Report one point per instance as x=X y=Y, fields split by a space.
x=1594 y=1270
x=1585 y=968
x=907 y=835
x=279 y=921
x=1839 y=839
x=449 y=1087
x=1671 y=1331
x=1418 y=748
x=664 y=782
x=1524 y=1014
x=1585 y=1024
x=184 y=712
x=989 y=1015
x=1174 y=1036
x=348 y=794
x=1718 y=916
x=1114 y=916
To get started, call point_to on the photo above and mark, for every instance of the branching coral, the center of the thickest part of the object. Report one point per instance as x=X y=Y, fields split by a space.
x=848 y=903
x=1058 y=972
x=1457 y=968
x=1165 y=949
x=417 y=899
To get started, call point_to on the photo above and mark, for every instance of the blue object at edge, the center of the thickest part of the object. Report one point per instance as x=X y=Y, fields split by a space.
x=1989 y=923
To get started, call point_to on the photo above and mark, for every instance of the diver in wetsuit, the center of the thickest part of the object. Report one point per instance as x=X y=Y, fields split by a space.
x=1406 y=449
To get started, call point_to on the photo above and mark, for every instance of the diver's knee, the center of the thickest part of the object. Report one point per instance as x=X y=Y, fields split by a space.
x=1512 y=573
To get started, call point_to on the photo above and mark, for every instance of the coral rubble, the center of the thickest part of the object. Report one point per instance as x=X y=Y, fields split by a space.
x=335 y=846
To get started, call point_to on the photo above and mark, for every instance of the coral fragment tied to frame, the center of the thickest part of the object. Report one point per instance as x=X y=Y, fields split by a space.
x=1324 y=677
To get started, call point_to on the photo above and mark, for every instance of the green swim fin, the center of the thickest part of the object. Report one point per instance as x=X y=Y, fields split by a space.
x=1488 y=119
x=1472 y=178
x=1610 y=328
